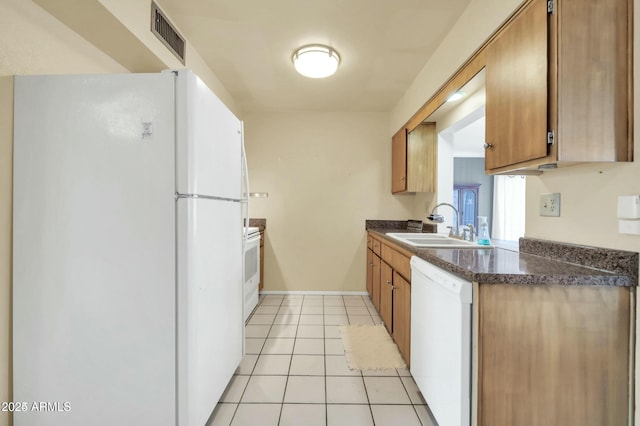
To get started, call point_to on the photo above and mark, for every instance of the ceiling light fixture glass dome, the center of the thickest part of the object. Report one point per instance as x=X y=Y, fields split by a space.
x=316 y=61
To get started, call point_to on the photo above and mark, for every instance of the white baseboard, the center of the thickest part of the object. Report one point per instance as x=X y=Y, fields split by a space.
x=318 y=293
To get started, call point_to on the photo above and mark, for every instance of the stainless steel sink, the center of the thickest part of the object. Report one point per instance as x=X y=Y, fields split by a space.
x=433 y=240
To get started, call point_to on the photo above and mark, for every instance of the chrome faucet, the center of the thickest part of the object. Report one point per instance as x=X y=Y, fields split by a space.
x=468 y=233
x=438 y=218
x=472 y=233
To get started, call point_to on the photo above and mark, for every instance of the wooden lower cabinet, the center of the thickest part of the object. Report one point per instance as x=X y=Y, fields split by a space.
x=261 y=283
x=402 y=315
x=554 y=355
x=369 y=279
x=373 y=270
x=386 y=295
x=375 y=282
x=388 y=285
x=543 y=355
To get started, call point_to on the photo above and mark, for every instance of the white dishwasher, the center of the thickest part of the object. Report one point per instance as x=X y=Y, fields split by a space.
x=441 y=341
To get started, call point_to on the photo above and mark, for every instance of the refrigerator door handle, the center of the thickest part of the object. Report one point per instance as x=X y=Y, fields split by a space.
x=208 y=197
x=245 y=198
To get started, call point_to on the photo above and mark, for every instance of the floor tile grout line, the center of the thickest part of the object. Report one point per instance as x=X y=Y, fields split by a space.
x=284 y=394
x=235 y=411
x=263 y=343
x=394 y=404
x=326 y=390
x=254 y=367
x=324 y=331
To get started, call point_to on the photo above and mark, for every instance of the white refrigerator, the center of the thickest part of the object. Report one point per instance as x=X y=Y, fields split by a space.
x=127 y=256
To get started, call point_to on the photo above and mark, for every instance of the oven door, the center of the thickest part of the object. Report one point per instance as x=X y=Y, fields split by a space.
x=251 y=273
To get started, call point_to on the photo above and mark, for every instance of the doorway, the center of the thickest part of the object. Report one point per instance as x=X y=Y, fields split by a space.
x=463 y=183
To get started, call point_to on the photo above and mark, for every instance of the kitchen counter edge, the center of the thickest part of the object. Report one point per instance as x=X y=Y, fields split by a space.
x=463 y=263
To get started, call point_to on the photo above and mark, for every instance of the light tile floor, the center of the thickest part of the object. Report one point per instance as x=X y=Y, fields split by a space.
x=295 y=373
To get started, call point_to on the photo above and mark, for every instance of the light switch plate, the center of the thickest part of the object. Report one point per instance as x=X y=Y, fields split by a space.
x=550 y=204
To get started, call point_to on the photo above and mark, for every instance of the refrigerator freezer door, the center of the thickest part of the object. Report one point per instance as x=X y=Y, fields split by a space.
x=94 y=249
x=210 y=326
x=209 y=141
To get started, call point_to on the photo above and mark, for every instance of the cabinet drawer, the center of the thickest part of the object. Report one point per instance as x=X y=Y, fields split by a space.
x=397 y=261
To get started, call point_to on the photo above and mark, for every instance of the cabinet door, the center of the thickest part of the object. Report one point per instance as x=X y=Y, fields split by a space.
x=261 y=284
x=399 y=161
x=375 y=290
x=554 y=355
x=370 y=273
x=402 y=315
x=386 y=295
x=516 y=90
x=422 y=158
x=595 y=94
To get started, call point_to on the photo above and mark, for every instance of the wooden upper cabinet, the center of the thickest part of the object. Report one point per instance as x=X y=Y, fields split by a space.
x=516 y=90
x=594 y=109
x=558 y=86
x=399 y=161
x=414 y=159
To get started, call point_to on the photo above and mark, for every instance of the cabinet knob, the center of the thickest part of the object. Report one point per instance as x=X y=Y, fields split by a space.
x=488 y=146
x=401 y=177
x=389 y=282
x=371 y=264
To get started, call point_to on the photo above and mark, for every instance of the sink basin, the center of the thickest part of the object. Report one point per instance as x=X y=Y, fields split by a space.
x=433 y=240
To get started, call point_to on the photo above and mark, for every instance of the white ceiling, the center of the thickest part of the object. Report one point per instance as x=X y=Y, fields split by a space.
x=248 y=44
x=469 y=141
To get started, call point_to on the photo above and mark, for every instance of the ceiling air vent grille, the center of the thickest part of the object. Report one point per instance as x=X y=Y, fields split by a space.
x=164 y=30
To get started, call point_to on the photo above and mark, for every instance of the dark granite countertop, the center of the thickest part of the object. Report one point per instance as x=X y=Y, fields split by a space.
x=576 y=265
x=259 y=223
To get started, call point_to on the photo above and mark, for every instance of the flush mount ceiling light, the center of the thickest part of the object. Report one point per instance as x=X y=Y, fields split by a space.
x=456 y=96
x=316 y=61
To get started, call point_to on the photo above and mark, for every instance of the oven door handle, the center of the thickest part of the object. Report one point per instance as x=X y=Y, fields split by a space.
x=253 y=239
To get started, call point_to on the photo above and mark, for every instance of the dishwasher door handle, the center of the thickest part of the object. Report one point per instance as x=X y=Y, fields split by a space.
x=460 y=287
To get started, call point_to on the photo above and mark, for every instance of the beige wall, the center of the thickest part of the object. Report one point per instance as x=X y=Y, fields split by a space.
x=589 y=197
x=326 y=173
